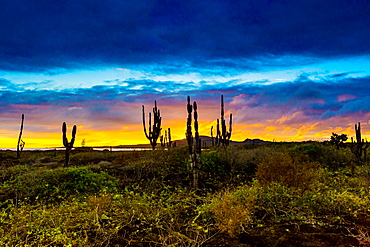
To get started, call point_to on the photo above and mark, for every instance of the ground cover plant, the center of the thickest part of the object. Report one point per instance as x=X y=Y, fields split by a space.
x=275 y=194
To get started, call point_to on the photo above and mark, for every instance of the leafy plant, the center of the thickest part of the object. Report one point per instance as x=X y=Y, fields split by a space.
x=58 y=184
x=338 y=140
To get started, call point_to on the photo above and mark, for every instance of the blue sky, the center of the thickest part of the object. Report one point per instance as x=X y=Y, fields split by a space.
x=289 y=70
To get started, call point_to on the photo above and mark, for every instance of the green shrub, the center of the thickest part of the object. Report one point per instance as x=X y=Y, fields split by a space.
x=12 y=172
x=232 y=164
x=58 y=184
x=328 y=156
x=212 y=164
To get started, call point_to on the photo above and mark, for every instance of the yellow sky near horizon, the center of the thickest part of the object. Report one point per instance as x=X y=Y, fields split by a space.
x=134 y=134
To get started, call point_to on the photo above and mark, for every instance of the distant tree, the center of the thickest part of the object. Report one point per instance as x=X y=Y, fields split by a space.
x=83 y=143
x=338 y=140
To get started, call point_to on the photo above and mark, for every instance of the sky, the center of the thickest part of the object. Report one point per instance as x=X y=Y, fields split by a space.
x=289 y=70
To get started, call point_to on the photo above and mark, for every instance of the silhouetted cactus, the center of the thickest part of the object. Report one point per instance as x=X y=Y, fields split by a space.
x=165 y=138
x=194 y=149
x=68 y=145
x=21 y=143
x=155 y=130
x=189 y=134
x=359 y=147
x=223 y=136
x=161 y=139
x=218 y=133
x=213 y=141
x=198 y=144
x=169 y=144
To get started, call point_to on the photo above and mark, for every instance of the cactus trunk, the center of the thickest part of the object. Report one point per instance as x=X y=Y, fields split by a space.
x=21 y=143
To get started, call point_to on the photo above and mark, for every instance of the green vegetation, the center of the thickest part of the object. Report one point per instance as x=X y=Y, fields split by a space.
x=276 y=194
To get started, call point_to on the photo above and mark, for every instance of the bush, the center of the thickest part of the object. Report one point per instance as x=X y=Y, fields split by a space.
x=282 y=168
x=58 y=184
x=232 y=164
x=231 y=210
x=328 y=156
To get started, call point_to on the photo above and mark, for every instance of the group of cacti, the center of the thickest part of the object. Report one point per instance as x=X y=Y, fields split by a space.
x=222 y=135
x=166 y=140
x=67 y=145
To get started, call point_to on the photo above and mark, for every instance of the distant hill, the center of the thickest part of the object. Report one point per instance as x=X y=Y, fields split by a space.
x=207 y=141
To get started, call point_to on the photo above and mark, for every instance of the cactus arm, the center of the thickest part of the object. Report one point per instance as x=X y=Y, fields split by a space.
x=230 y=128
x=64 y=130
x=189 y=134
x=146 y=133
x=73 y=136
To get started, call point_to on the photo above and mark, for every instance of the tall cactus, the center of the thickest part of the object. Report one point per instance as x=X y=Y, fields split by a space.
x=194 y=149
x=68 y=145
x=213 y=141
x=198 y=144
x=359 y=147
x=169 y=144
x=223 y=136
x=155 y=130
x=161 y=138
x=189 y=134
x=21 y=143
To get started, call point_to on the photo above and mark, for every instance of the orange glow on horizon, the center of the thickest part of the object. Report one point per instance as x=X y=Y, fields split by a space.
x=289 y=127
x=135 y=135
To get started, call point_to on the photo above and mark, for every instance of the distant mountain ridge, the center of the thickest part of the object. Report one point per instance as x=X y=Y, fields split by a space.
x=206 y=141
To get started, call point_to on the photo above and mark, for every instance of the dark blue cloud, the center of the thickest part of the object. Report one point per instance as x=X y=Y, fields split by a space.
x=43 y=35
x=315 y=100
